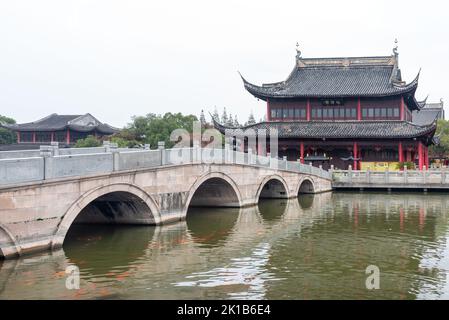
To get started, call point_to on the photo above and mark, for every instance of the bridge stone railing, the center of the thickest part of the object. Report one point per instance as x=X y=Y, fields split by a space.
x=405 y=178
x=53 y=162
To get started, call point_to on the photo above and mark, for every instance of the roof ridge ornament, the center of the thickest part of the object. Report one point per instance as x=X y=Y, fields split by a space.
x=395 y=48
x=298 y=52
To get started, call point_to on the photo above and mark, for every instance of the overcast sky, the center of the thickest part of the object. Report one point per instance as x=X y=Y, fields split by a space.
x=116 y=59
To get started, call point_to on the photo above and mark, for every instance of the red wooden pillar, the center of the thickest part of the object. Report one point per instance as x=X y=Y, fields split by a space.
x=301 y=152
x=355 y=155
x=34 y=137
x=308 y=110
x=400 y=152
x=67 y=138
x=420 y=156
x=426 y=157
x=359 y=110
x=52 y=136
x=401 y=109
x=268 y=111
x=18 y=136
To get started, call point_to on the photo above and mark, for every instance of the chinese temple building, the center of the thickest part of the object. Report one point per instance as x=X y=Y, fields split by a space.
x=354 y=111
x=65 y=129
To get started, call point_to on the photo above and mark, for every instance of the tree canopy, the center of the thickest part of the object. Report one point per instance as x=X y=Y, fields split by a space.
x=6 y=135
x=153 y=128
x=442 y=149
x=88 y=142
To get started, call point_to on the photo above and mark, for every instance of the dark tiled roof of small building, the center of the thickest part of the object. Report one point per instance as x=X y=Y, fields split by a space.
x=428 y=113
x=56 y=122
x=339 y=77
x=341 y=129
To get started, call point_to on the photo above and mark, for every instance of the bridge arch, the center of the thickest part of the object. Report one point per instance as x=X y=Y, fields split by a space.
x=217 y=190
x=137 y=200
x=306 y=185
x=273 y=186
x=8 y=244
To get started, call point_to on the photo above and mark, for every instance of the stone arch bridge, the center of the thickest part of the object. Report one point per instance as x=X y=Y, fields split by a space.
x=42 y=196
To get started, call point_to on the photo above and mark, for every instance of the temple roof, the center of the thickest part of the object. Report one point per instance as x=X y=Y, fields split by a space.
x=340 y=77
x=429 y=113
x=341 y=129
x=56 y=122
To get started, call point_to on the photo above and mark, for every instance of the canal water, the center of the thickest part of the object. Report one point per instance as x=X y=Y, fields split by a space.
x=314 y=247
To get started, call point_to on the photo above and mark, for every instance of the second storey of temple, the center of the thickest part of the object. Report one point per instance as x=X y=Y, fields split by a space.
x=346 y=111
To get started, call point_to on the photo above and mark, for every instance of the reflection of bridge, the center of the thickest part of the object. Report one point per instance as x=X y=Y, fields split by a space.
x=155 y=252
x=40 y=197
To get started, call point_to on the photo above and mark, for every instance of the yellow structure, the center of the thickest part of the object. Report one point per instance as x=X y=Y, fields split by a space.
x=379 y=166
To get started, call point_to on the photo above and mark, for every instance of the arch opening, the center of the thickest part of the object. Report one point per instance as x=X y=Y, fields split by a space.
x=113 y=208
x=273 y=189
x=119 y=207
x=306 y=187
x=215 y=192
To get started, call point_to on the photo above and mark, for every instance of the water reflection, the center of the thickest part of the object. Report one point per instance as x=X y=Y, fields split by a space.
x=211 y=227
x=308 y=248
x=272 y=209
x=306 y=200
x=99 y=249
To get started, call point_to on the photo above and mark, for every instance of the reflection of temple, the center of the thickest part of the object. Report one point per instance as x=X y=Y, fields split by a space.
x=345 y=111
x=354 y=231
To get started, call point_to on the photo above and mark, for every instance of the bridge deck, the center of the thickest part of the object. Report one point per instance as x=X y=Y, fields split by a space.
x=52 y=163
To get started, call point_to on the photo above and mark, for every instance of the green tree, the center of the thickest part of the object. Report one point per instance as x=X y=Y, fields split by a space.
x=215 y=114
x=251 y=119
x=442 y=149
x=125 y=139
x=203 y=119
x=236 y=122
x=7 y=136
x=224 y=116
x=153 y=128
x=88 y=142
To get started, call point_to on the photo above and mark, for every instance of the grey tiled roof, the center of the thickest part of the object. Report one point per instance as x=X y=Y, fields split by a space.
x=56 y=122
x=342 y=129
x=338 y=77
x=428 y=113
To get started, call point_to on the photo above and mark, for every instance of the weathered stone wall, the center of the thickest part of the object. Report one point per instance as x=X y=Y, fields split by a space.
x=17 y=170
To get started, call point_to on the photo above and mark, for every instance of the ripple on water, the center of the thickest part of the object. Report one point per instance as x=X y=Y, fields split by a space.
x=314 y=249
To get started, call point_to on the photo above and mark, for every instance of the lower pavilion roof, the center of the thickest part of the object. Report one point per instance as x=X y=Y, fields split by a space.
x=56 y=122
x=342 y=129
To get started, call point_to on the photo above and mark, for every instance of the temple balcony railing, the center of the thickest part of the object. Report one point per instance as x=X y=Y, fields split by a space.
x=408 y=179
x=53 y=163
